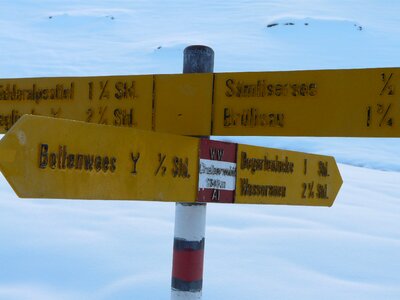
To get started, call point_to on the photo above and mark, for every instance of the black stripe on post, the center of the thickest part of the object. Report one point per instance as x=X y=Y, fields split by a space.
x=181 y=244
x=186 y=286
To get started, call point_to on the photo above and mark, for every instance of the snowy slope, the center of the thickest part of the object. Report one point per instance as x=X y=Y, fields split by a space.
x=119 y=250
x=122 y=250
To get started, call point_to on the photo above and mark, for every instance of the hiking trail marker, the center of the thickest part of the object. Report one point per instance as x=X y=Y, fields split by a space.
x=148 y=102
x=44 y=157
x=348 y=103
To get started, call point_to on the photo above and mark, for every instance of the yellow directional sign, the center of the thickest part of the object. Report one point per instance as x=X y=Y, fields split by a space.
x=276 y=176
x=362 y=103
x=120 y=100
x=44 y=157
x=166 y=103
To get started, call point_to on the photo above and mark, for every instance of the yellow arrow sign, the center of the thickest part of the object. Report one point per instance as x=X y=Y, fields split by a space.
x=57 y=158
x=179 y=104
x=362 y=102
x=45 y=157
x=285 y=177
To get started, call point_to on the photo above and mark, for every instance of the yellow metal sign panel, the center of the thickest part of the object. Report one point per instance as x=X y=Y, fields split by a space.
x=179 y=104
x=183 y=104
x=114 y=100
x=273 y=176
x=44 y=157
x=362 y=103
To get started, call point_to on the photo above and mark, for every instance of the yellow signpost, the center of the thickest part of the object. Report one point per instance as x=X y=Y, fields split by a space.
x=56 y=158
x=166 y=103
x=361 y=102
x=44 y=157
x=277 y=176
x=120 y=100
x=348 y=103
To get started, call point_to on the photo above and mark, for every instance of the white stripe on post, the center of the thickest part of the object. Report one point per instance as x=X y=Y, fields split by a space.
x=190 y=221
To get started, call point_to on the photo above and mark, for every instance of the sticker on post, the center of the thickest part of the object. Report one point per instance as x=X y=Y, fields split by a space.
x=217 y=171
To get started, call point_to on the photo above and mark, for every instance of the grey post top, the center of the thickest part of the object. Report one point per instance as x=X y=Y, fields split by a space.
x=198 y=59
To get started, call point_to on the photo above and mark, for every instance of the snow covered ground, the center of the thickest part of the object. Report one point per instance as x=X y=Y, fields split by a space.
x=123 y=250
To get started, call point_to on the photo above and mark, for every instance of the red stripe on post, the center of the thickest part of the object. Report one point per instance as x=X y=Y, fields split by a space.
x=220 y=196
x=188 y=265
